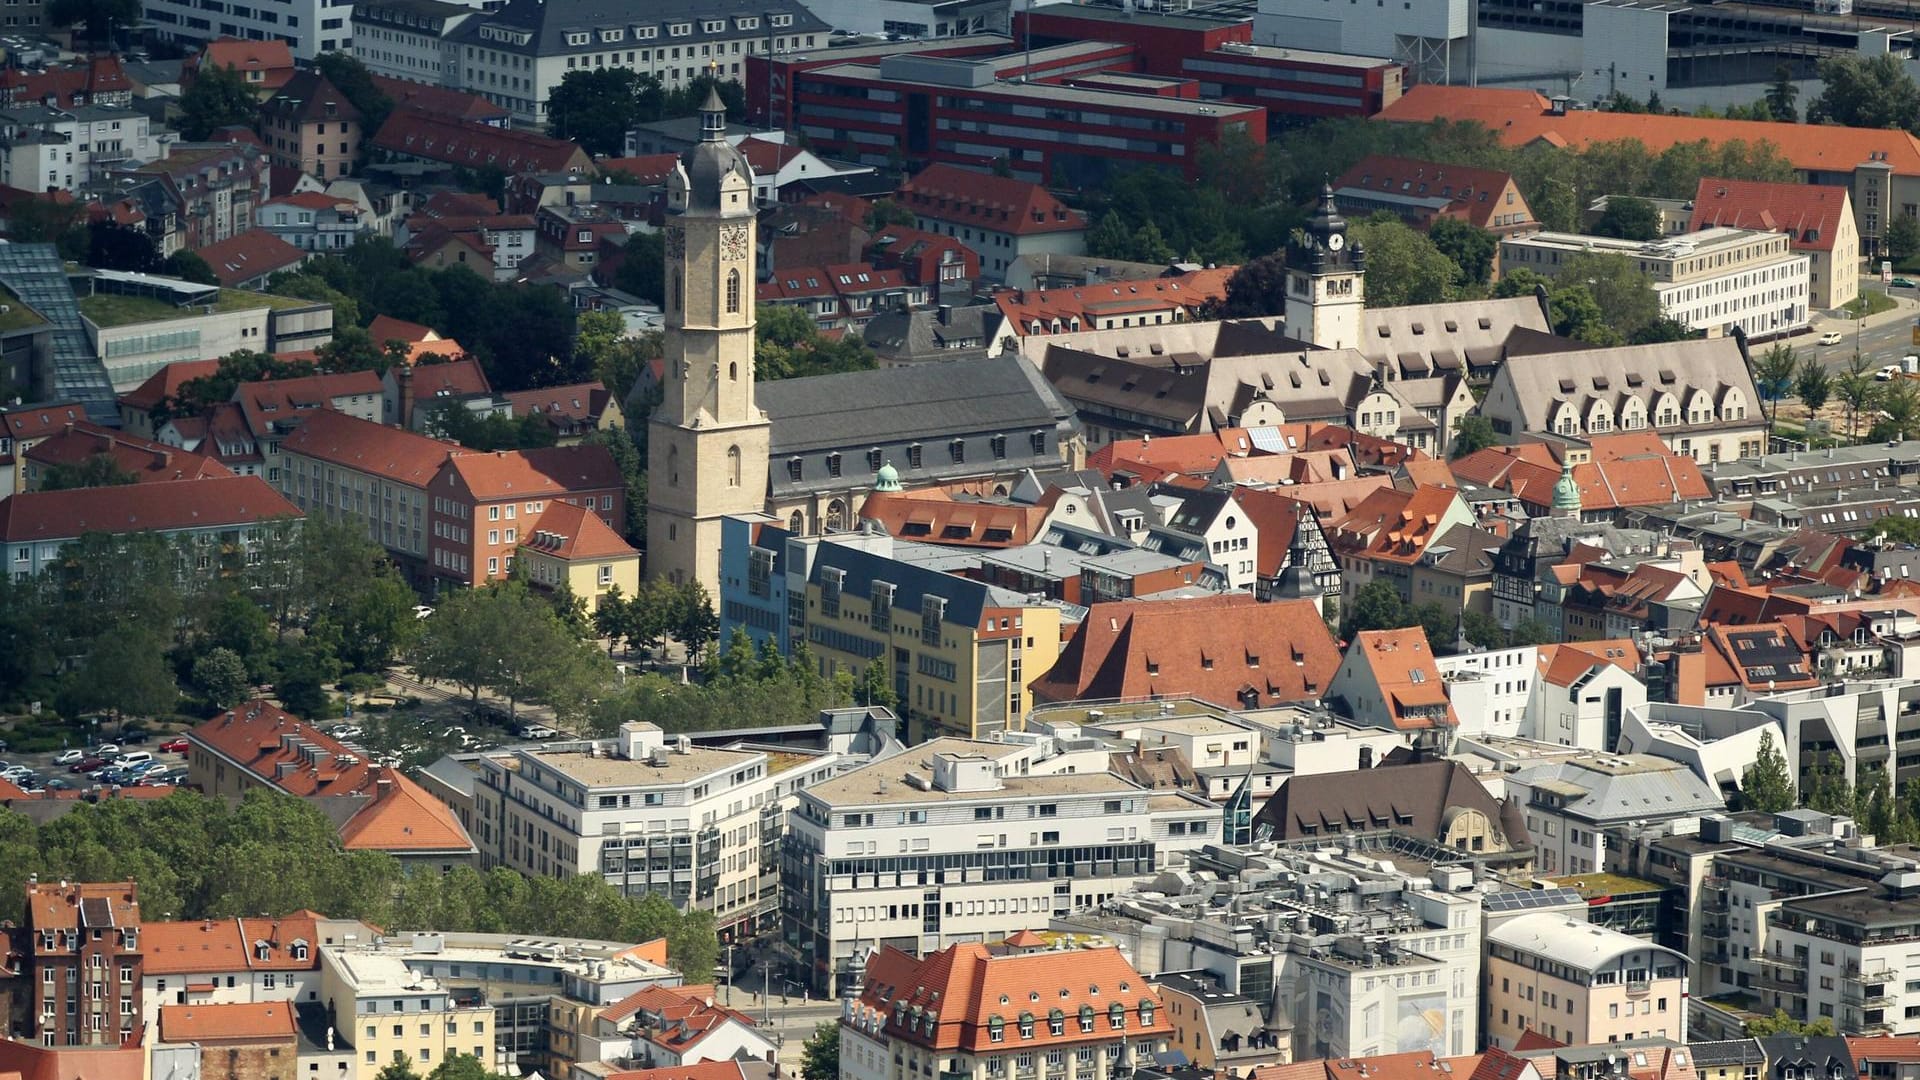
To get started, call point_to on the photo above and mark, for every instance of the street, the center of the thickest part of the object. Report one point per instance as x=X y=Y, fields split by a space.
x=1882 y=338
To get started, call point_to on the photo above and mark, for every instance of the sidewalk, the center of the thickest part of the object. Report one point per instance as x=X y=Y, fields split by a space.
x=1904 y=309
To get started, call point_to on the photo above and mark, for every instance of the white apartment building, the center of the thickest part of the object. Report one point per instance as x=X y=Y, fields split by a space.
x=309 y=27
x=1712 y=280
x=959 y=840
x=516 y=55
x=237 y=961
x=407 y=39
x=1490 y=691
x=380 y=1006
x=42 y=147
x=695 y=824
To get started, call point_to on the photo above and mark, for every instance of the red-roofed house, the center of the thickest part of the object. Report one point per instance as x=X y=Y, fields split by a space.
x=419 y=136
x=707 y=1070
x=570 y=545
x=266 y=65
x=221 y=513
x=574 y=411
x=257 y=746
x=243 y=1038
x=438 y=375
x=69 y=928
x=246 y=261
x=1389 y=679
x=1817 y=218
x=1231 y=650
x=1177 y=296
x=144 y=460
x=99 y=81
x=218 y=963
x=1618 y=471
x=999 y=217
x=840 y=297
x=1422 y=192
x=1387 y=535
x=23 y=427
x=927 y=259
x=137 y=405
x=675 y=1026
x=439 y=100
x=30 y=1061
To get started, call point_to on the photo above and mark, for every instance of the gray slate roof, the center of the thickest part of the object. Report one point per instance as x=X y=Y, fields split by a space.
x=1528 y=389
x=926 y=401
x=1638 y=787
x=549 y=21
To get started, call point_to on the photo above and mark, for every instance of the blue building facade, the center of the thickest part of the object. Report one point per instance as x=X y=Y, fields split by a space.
x=753 y=581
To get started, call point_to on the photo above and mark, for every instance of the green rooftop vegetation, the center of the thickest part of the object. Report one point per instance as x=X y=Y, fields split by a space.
x=18 y=315
x=1592 y=885
x=107 y=309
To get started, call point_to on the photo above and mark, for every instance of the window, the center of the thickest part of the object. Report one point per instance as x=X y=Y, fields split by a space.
x=996 y=1030
x=958 y=448
x=733 y=292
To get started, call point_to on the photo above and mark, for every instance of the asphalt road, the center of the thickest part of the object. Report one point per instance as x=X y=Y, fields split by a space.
x=1883 y=339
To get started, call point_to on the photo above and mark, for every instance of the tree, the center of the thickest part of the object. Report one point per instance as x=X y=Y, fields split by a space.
x=1660 y=330
x=504 y=638
x=1531 y=632
x=788 y=344
x=97 y=470
x=112 y=246
x=596 y=107
x=1856 y=388
x=100 y=17
x=351 y=77
x=1898 y=530
x=400 y=1068
x=1812 y=384
x=695 y=624
x=874 y=688
x=1623 y=292
x=1782 y=1024
x=125 y=671
x=885 y=212
x=1377 y=606
x=1403 y=266
x=642 y=269
x=1827 y=789
x=820 y=1057
x=222 y=677
x=1903 y=237
x=219 y=97
x=196 y=395
x=1766 y=785
x=1257 y=288
x=1629 y=218
x=462 y=1067
x=189 y=266
x=1475 y=433
x=1471 y=248
x=627 y=458
x=1783 y=96
x=1774 y=374
x=1861 y=91
x=1899 y=405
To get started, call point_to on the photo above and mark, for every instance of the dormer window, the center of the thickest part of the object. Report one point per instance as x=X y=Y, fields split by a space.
x=579 y=38
x=613 y=35
x=262 y=951
x=299 y=950
x=680 y=29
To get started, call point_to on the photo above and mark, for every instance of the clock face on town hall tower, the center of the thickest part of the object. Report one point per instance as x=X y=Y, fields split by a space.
x=1326 y=280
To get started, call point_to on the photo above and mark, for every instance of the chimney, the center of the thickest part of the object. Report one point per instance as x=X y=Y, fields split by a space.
x=405 y=376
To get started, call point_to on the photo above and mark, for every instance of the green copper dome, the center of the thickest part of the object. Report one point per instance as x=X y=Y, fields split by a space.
x=887 y=479
x=1566 y=493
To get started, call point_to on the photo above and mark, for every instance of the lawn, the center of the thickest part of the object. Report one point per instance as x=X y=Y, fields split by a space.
x=106 y=309
x=1874 y=301
x=18 y=316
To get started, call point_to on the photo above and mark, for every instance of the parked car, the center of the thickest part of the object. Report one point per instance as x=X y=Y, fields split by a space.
x=131 y=758
x=537 y=731
x=1888 y=373
x=344 y=731
x=174 y=746
x=1831 y=337
x=108 y=750
x=69 y=757
x=1902 y=283
x=90 y=764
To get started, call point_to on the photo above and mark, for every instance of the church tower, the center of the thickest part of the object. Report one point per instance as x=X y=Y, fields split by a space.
x=707 y=443
x=1326 y=281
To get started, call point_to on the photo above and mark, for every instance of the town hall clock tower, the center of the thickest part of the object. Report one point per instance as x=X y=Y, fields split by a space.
x=1326 y=281
x=707 y=443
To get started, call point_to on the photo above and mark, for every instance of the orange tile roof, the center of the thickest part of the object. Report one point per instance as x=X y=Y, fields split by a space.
x=1562 y=664
x=393 y=812
x=1403 y=668
x=999 y=203
x=935 y=516
x=81 y=905
x=365 y=446
x=1758 y=656
x=166 y=383
x=145 y=460
x=966 y=986
x=1900 y=1048
x=567 y=531
x=548 y=471
x=1393 y=525
x=706 y=1070
x=265 y=1021
x=222 y=945
x=36 y=422
x=1188 y=292
x=1808 y=213
x=1221 y=649
x=243 y=258
x=159 y=507
x=449 y=378
x=460 y=142
x=1520 y=117
x=1472 y=195
x=385 y=328
x=1620 y=474
x=33 y=1062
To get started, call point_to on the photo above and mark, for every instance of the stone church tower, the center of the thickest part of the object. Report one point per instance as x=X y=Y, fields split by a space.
x=707 y=443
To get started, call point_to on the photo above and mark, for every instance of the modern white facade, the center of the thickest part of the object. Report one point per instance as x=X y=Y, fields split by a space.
x=1712 y=280
x=958 y=840
x=309 y=27
x=695 y=824
x=407 y=39
x=1490 y=691
x=42 y=147
x=1432 y=37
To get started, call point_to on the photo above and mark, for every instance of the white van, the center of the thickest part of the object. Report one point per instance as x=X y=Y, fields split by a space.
x=131 y=758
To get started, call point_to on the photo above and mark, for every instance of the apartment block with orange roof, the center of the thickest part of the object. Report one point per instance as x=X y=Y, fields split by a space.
x=1390 y=532
x=1389 y=679
x=80 y=951
x=237 y=961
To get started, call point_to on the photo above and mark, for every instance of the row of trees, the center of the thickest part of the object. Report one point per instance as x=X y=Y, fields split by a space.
x=1768 y=786
x=1379 y=606
x=124 y=623
x=197 y=857
x=742 y=687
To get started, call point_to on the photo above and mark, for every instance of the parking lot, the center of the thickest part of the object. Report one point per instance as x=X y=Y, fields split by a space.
x=149 y=760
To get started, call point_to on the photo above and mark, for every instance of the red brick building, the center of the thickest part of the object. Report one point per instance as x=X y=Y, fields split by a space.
x=81 y=941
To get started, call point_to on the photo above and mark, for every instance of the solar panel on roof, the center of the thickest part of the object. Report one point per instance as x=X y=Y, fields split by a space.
x=1530 y=899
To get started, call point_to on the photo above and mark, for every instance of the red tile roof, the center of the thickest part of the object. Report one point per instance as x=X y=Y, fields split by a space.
x=571 y=409
x=1474 y=195
x=362 y=445
x=393 y=813
x=1625 y=470
x=646 y=168
x=676 y=1018
x=995 y=203
x=1562 y=664
x=1392 y=525
x=567 y=531
x=1225 y=649
x=456 y=142
x=215 y=502
x=273 y=58
x=446 y=378
x=271 y=402
x=310 y=200
x=66 y=87
x=243 y=258
x=935 y=516
x=1756 y=657
x=203 y=947
x=385 y=328
x=265 y=1021
x=147 y=461
x=166 y=383
x=1808 y=213
x=1520 y=117
x=60 y=905
x=440 y=101
x=765 y=155
x=40 y=421
x=33 y=1062
x=1904 y=1049
x=964 y=987
x=532 y=474
x=706 y=1070
x=1188 y=292
x=1403 y=668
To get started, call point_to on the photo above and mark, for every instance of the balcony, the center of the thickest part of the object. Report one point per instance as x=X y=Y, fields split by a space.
x=1787 y=973
x=1639 y=989
x=1867 y=990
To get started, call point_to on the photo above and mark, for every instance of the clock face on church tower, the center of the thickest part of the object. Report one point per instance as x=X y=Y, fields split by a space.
x=676 y=243
x=733 y=242
x=1336 y=242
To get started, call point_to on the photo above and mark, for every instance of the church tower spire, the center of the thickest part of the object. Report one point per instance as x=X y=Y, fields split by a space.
x=708 y=442
x=1326 y=280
